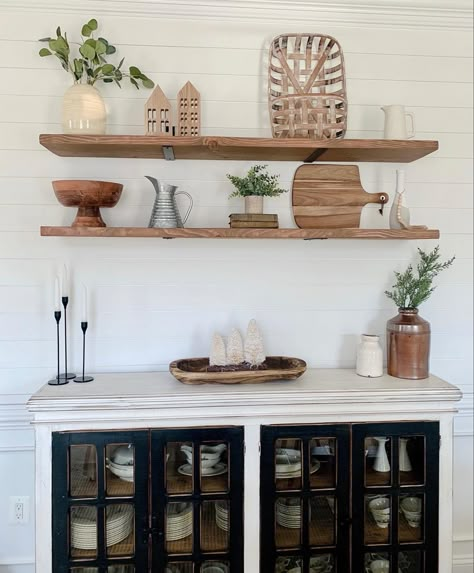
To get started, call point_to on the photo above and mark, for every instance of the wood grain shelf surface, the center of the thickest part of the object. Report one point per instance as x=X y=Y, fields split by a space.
x=237 y=148
x=227 y=233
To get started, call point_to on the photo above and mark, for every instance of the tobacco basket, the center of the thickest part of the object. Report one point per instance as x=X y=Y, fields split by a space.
x=307 y=87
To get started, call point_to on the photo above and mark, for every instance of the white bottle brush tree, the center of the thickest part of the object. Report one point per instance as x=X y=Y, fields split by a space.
x=254 y=351
x=235 y=348
x=218 y=355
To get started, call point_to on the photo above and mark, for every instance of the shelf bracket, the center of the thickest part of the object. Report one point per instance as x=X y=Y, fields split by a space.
x=168 y=153
x=315 y=155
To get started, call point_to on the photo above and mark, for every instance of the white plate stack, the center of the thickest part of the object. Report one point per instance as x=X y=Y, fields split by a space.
x=179 y=521
x=288 y=512
x=119 y=525
x=222 y=516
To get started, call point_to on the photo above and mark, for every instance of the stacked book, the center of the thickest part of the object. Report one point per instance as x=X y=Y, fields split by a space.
x=253 y=221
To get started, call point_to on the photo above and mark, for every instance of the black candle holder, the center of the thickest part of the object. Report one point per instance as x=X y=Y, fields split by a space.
x=65 y=375
x=58 y=381
x=83 y=378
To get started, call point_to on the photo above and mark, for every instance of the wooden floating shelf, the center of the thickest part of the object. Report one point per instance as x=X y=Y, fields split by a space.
x=237 y=148
x=226 y=233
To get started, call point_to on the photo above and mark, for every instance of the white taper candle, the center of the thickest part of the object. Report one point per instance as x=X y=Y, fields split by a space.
x=65 y=282
x=57 y=296
x=84 y=304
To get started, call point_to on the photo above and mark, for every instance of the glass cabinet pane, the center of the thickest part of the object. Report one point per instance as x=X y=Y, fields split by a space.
x=411 y=562
x=179 y=528
x=83 y=471
x=179 y=468
x=288 y=516
x=412 y=460
x=286 y=564
x=83 y=532
x=120 y=475
x=323 y=457
x=377 y=563
x=215 y=567
x=179 y=568
x=322 y=516
x=378 y=461
x=214 y=467
x=215 y=526
x=288 y=464
x=120 y=530
x=377 y=520
x=121 y=569
x=411 y=519
x=322 y=564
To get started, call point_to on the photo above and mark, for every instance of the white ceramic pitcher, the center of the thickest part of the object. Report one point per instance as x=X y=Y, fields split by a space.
x=396 y=122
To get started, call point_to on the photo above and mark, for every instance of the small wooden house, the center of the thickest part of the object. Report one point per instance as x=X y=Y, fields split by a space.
x=158 y=114
x=189 y=111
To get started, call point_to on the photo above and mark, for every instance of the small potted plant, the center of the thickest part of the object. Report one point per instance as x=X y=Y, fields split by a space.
x=409 y=335
x=256 y=185
x=83 y=107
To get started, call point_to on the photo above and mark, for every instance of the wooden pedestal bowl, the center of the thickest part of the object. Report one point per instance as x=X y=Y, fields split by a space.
x=89 y=197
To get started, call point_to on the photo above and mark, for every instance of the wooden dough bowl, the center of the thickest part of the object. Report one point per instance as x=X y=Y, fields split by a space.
x=88 y=196
x=194 y=371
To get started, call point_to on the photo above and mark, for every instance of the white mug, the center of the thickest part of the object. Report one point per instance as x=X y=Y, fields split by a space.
x=396 y=122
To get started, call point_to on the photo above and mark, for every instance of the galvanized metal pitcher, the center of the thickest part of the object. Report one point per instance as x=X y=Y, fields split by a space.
x=165 y=213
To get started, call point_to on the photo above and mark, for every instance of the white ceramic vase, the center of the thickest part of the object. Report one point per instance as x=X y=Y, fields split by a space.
x=382 y=463
x=83 y=110
x=369 y=357
x=254 y=204
x=405 y=463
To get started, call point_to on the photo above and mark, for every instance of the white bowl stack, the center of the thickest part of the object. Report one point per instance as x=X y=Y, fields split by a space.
x=210 y=455
x=288 y=464
x=380 y=510
x=411 y=508
x=288 y=512
x=179 y=521
x=222 y=516
x=119 y=525
x=121 y=463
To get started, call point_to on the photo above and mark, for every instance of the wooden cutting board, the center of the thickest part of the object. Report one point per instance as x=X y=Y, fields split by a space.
x=330 y=197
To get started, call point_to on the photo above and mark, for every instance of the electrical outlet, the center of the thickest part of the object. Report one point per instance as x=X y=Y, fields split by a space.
x=19 y=509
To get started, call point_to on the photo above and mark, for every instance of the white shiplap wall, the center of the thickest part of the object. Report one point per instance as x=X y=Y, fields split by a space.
x=154 y=301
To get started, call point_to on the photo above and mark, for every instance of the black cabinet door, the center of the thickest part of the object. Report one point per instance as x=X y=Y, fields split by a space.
x=100 y=502
x=197 y=499
x=305 y=503
x=395 y=497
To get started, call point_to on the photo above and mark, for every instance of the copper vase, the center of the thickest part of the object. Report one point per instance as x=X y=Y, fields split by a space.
x=408 y=345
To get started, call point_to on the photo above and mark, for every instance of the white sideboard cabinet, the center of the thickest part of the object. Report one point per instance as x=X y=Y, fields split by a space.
x=331 y=473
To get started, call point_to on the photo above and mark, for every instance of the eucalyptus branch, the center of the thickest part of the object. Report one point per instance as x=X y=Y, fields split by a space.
x=91 y=63
x=410 y=289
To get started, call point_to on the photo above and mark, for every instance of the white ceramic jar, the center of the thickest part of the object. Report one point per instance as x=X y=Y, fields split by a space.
x=369 y=357
x=83 y=110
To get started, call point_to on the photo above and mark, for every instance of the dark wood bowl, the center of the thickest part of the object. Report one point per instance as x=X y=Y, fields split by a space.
x=194 y=371
x=88 y=196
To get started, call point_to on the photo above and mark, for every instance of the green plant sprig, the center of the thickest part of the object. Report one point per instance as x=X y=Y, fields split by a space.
x=410 y=289
x=93 y=64
x=256 y=182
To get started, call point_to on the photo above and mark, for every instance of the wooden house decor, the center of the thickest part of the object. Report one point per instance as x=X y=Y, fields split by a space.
x=307 y=87
x=158 y=114
x=189 y=111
